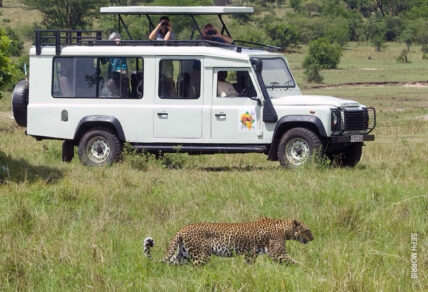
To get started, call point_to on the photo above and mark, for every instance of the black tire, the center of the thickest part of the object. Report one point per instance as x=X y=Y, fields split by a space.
x=99 y=147
x=296 y=146
x=350 y=156
x=20 y=102
x=67 y=150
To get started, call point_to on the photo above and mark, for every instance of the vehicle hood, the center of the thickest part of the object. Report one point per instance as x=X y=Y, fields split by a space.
x=311 y=100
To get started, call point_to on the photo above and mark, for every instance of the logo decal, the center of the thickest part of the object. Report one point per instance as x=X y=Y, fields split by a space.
x=247 y=120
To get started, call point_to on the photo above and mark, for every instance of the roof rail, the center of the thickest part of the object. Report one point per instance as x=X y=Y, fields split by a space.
x=57 y=38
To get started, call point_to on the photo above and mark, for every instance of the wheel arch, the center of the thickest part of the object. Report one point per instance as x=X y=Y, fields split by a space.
x=93 y=121
x=294 y=121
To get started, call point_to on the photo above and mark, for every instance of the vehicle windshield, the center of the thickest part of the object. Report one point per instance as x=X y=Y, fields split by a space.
x=276 y=75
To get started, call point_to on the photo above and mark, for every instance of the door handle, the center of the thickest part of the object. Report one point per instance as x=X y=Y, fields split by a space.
x=220 y=116
x=163 y=115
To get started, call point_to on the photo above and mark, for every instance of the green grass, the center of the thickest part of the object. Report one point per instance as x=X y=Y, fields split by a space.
x=74 y=227
x=355 y=65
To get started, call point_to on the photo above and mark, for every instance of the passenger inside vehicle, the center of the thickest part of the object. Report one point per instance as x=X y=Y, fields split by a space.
x=224 y=88
x=65 y=77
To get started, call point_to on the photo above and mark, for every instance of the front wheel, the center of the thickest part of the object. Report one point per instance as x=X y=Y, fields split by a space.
x=350 y=156
x=99 y=147
x=297 y=146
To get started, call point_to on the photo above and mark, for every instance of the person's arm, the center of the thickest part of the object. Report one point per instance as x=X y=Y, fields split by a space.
x=152 y=35
x=227 y=39
x=168 y=34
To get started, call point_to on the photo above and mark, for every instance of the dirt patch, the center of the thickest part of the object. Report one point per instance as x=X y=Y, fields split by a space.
x=6 y=116
x=416 y=85
x=423 y=118
x=369 y=69
x=374 y=83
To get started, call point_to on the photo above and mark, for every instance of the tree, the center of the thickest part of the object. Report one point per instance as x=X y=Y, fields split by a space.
x=7 y=70
x=282 y=34
x=66 y=14
x=421 y=26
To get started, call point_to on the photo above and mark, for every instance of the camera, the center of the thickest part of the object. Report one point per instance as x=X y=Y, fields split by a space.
x=164 y=24
x=211 y=32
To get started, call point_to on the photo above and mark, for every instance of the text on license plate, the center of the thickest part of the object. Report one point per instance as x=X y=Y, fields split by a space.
x=357 y=138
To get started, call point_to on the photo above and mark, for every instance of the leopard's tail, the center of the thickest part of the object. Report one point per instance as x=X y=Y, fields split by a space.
x=148 y=243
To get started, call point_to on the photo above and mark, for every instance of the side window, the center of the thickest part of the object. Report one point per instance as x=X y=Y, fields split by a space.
x=179 y=79
x=234 y=83
x=102 y=77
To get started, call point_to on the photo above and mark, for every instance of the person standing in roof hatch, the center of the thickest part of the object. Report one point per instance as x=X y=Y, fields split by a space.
x=163 y=31
x=210 y=33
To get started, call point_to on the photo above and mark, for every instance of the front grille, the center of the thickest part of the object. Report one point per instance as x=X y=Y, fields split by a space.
x=356 y=120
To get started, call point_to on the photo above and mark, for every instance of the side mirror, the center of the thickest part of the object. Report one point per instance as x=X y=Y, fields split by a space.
x=257 y=64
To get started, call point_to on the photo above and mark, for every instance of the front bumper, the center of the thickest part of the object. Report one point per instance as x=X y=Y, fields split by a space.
x=347 y=139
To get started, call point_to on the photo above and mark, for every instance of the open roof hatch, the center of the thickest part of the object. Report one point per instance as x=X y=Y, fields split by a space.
x=175 y=10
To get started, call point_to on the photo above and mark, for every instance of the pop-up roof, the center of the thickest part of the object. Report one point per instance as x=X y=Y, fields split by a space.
x=176 y=10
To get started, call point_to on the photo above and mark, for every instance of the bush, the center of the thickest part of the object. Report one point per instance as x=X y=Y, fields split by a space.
x=8 y=72
x=16 y=44
x=403 y=57
x=324 y=53
x=282 y=34
x=312 y=72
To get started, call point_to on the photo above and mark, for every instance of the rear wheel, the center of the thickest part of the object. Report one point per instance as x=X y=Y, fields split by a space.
x=297 y=146
x=99 y=147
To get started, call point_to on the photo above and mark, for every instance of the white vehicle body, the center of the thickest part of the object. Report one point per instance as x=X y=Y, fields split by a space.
x=256 y=119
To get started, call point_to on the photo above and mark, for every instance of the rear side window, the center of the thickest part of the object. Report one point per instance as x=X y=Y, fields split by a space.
x=98 y=77
x=179 y=79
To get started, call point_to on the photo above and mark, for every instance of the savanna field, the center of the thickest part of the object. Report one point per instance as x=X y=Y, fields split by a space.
x=63 y=225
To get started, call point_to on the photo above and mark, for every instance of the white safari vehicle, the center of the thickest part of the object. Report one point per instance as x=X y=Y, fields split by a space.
x=194 y=96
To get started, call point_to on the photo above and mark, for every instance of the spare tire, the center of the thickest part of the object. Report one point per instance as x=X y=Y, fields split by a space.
x=20 y=102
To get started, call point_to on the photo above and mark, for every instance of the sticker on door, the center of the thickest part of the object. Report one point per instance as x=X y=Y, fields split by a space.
x=247 y=119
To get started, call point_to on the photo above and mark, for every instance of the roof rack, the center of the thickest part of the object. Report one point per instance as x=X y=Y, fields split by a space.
x=59 y=38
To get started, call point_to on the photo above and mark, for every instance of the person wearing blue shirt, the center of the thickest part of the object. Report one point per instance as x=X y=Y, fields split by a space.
x=117 y=75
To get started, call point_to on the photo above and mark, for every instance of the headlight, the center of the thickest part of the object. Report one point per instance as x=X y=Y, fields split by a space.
x=335 y=120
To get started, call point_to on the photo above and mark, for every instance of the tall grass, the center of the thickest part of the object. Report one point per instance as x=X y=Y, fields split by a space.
x=73 y=227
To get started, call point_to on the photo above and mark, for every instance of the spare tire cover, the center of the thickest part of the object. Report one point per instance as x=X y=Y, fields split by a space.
x=20 y=102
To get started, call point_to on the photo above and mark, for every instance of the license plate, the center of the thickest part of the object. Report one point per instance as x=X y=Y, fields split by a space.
x=357 y=138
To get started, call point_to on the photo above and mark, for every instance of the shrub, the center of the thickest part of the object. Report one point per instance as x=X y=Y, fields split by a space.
x=312 y=72
x=175 y=160
x=16 y=44
x=8 y=72
x=403 y=57
x=283 y=35
x=136 y=160
x=324 y=53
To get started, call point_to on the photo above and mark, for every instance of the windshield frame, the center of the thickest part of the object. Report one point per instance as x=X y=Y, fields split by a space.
x=270 y=87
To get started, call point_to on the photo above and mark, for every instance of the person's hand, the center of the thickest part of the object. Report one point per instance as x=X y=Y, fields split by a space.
x=169 y=27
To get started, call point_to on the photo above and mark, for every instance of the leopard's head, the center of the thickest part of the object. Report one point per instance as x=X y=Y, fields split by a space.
x=301 y=232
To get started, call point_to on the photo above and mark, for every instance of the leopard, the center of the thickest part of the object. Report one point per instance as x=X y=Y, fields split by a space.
x=197 y=242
